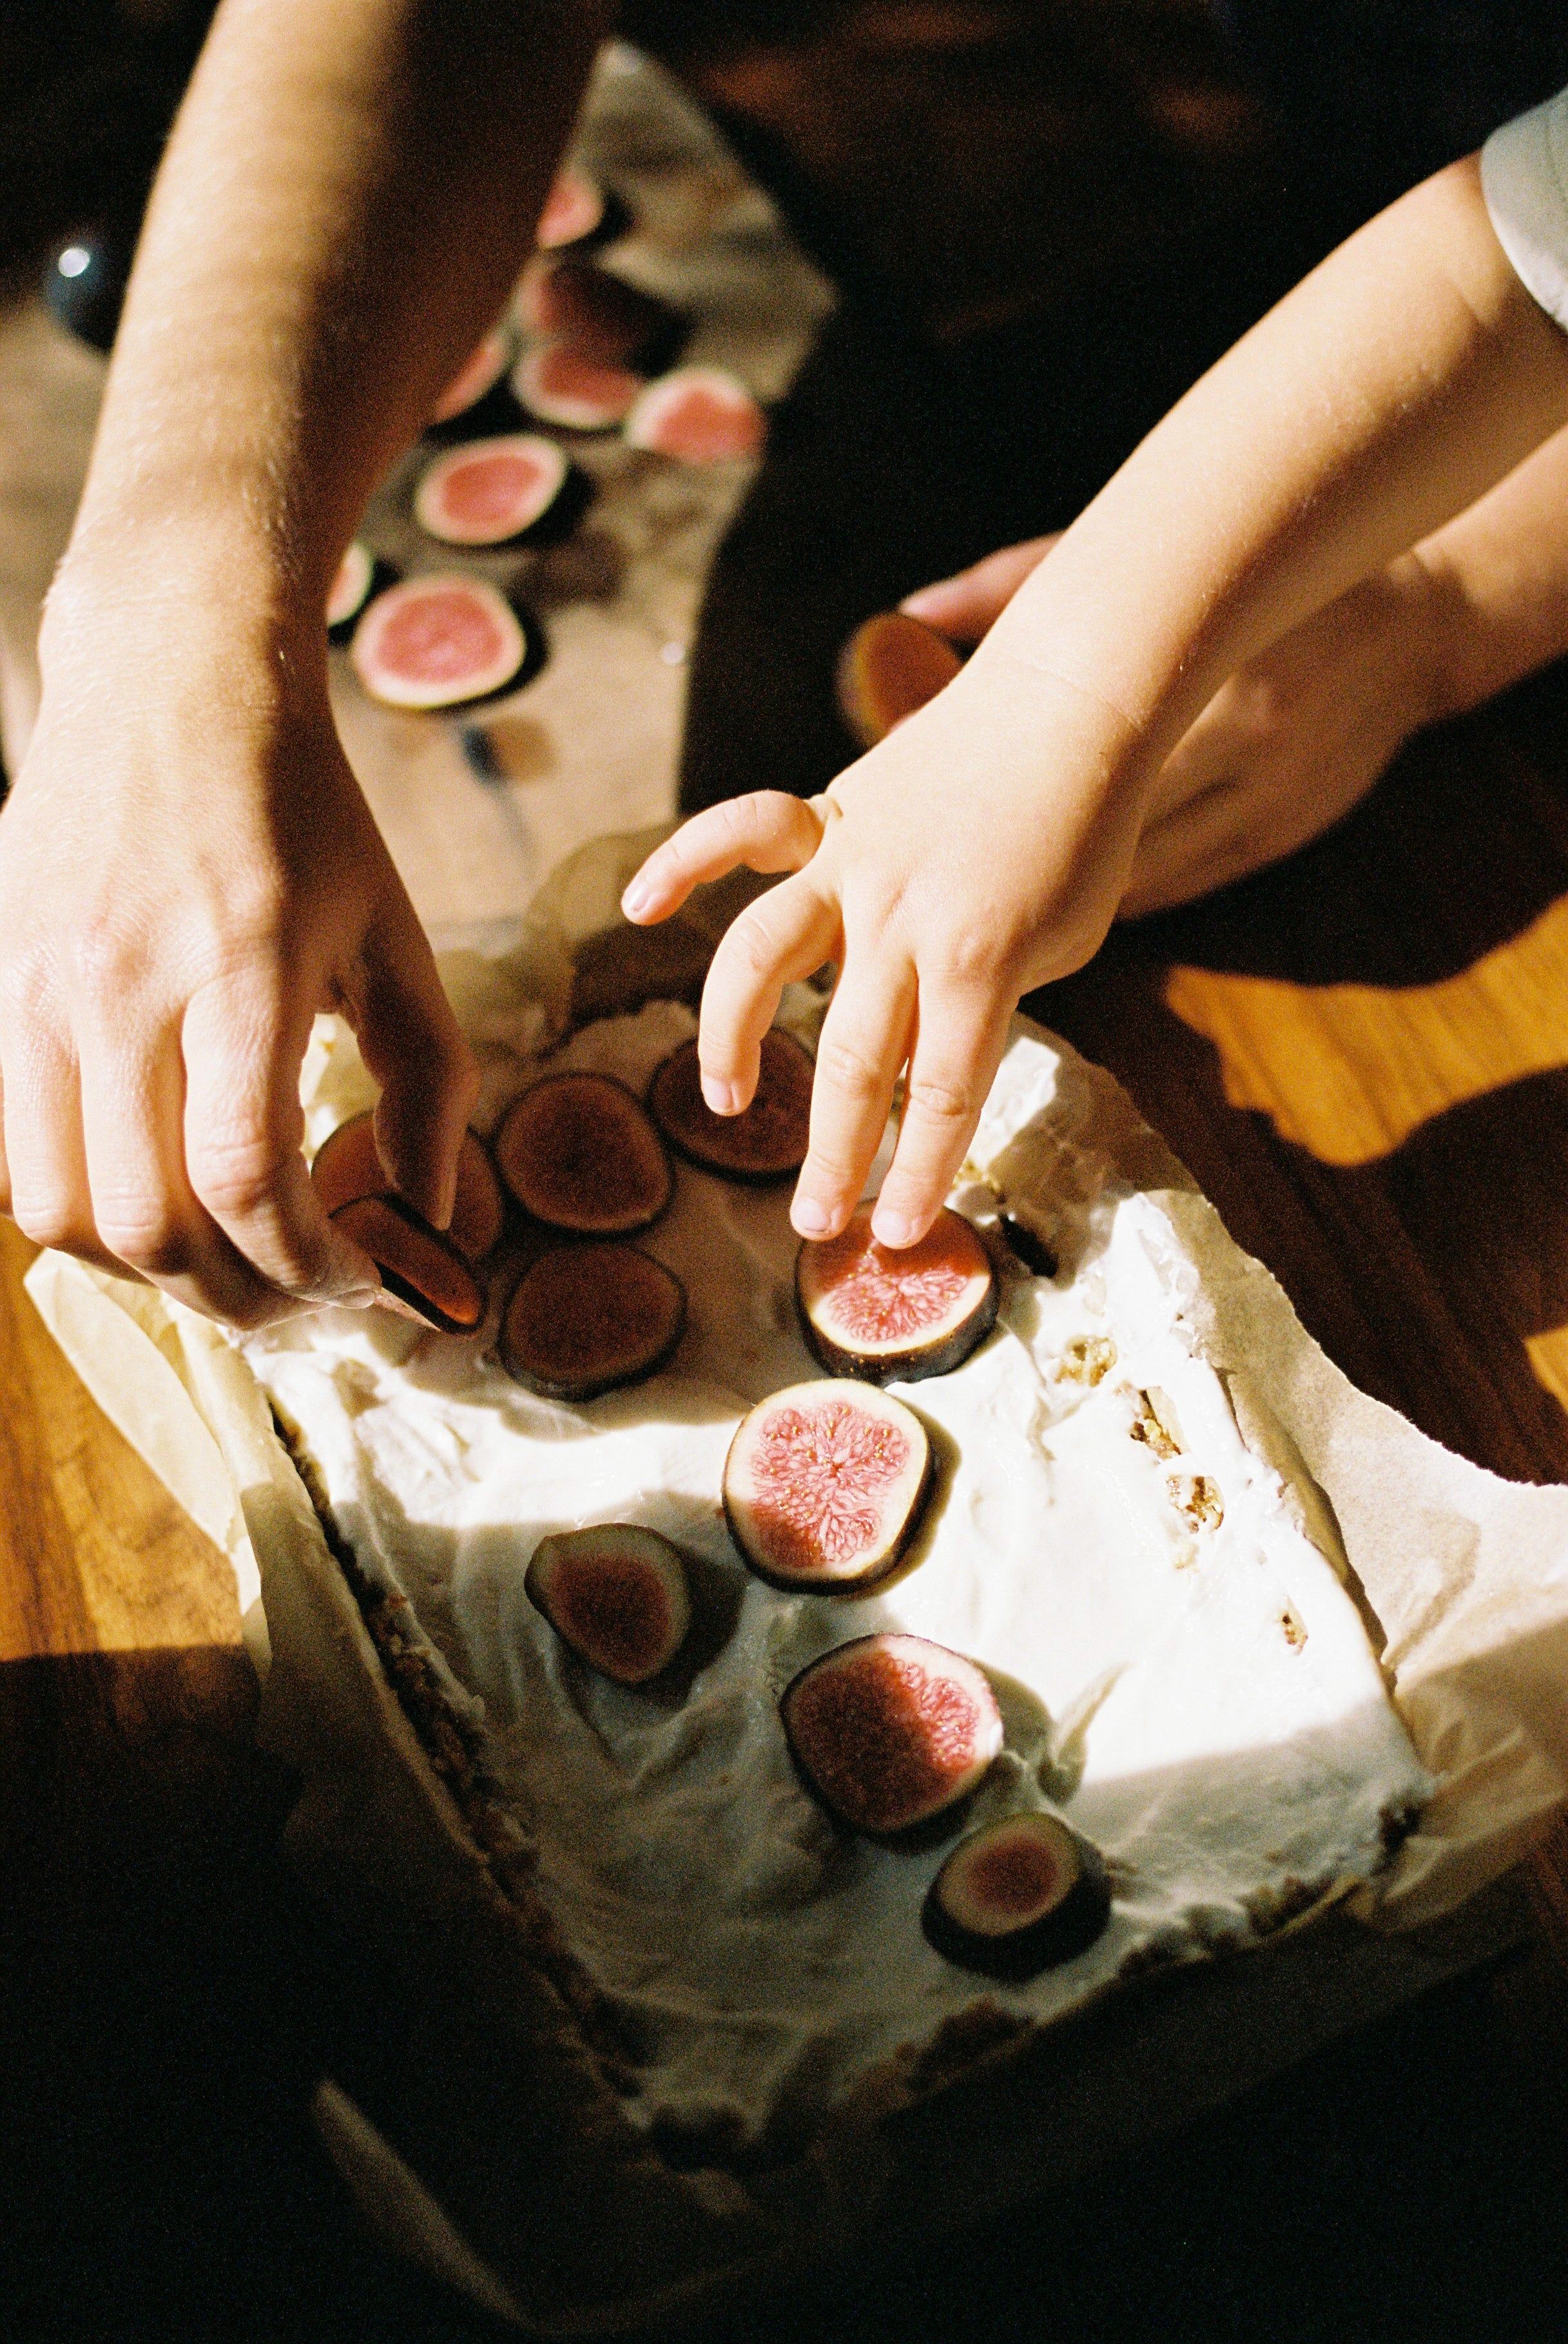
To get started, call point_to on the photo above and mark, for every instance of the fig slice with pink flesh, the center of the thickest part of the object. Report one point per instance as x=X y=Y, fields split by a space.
x=579 y=1153
x=1016 y=1896
x=617 y=1594
x=892 y=1730
x=766 y=1141
x=491 y=491
x=574 y=393
x=443 y=641
x=698 y=415
x=578 y=211
x=347 y=1166
x=422 y=1272
x=588 y=1318
x=825 y=1485
x=893 y=1315
x=891 y=666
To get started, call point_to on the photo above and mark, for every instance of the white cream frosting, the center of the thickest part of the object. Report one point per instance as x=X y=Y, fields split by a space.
x=1196 y=1694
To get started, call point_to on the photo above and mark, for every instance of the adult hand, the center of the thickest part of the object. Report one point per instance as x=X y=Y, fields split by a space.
x=188 y=871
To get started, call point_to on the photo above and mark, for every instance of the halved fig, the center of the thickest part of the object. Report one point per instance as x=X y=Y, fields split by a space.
x=598 y=313
x=766 y=1141
x=444 y=642
x=348 y=1167
x=891 y=1731
x=699 y=414
x=617 y=1594
x=825 y=1485
x=491 y=491
x=579 y=1153
x=479 y=374
x=360 y=574
x=559 y=384
x=890 y=667
x=420 y=1269
x=1016 y=1897
x=577 y=211
x=895 y=1317
x=585 y=1320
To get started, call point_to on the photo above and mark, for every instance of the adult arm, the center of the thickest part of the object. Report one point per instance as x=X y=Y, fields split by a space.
x=187 y=869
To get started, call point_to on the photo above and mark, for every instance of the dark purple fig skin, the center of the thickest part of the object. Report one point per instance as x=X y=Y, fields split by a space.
x=716 y=1143
x=554 y=1274
x=1068 y=1929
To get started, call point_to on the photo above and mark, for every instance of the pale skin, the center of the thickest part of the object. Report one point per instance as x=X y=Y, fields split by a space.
x=985 y=846
x=188 y=871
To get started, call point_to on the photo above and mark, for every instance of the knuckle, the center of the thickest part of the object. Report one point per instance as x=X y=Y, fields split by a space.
x=238 y=1176
x=751 y=949
x=970 y=957
x=109 y=954
x=847 y=1068
x=941 y=1102
x=146 y=1232
x=49 y=1221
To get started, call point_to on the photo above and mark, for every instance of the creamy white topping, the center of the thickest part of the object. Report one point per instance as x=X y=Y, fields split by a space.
x=1180 y=1671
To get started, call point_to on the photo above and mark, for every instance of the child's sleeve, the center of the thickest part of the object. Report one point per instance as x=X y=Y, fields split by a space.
x=1525 y=179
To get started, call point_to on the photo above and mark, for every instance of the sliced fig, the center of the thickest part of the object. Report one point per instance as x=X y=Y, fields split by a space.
x=444 y=642
x=825 y=1485
x=491 y=491
x=699 y=414
x=891 y=1731
x=766 y=1141
x=585 y=1320
x=891 y=666
x=617 y=1594
x=348 y=1167
x=470 y=389
x=598 y=313
x=579 y=1153
x=893 y=1317
x=559 y=385
x=360 y=574
x=420 y=1269
x=577 y=211
x=1016 y=1897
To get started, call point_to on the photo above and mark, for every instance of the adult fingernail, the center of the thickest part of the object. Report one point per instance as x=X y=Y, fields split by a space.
x=636 y=899
x=810 y=1217
x=892 y=1229
x=723 y=1098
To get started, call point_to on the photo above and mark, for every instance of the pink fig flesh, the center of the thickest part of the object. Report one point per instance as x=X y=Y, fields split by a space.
x=825 y=1485
x=1016 y=1897
x=892 y=1730
x=895 y=1316
x=617 y=1594
x=579 y=1153
x=766 y=1141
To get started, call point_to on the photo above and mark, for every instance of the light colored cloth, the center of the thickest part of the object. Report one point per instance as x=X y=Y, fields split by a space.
x=1524 y=178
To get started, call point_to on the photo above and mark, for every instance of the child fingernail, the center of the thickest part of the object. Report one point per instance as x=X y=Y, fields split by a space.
x=721 y=1097
x=892 y=1229
x=636 y=899
x=810 y=1217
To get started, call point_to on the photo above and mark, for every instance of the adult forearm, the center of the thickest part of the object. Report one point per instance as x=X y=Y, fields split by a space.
x=347 y=193
x=1393 y=387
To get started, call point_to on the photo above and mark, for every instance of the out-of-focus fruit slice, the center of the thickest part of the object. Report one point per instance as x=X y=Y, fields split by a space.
x=475 y=378
x=890 y=667
x=598 y=313
x=420 y=1269
x=558 y=385
x=577 y=211
x=579 y=1153
x=491 y=491
x=766 y=1141
x=699 y=414
x=825 y=1485
x=894 y=1316
x=1016 y=1896
x=443 y=641
x=360 y=574
x=587 y=1319
x=891 y=1731
x=347 y=1166
x=617 y=1594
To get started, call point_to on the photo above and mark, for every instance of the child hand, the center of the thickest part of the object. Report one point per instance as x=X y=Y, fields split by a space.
x=980 y=850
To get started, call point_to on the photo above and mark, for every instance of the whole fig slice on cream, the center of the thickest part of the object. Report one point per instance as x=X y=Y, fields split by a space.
x=825 y=1485
x=617 y=1594
x=894 y=1316
x=579 y=1153
x=420 y=1269
x=766 y=1141
x=1016 y=1896
x=585 y=1320
x=346 y=1166
x=891 y=1731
